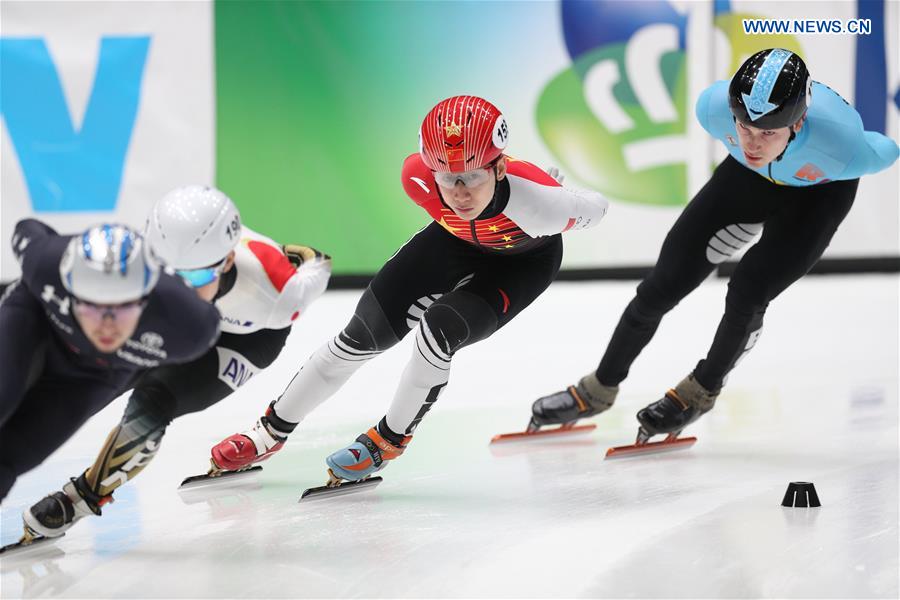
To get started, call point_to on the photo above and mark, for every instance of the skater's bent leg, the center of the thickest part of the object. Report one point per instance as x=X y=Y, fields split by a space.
x=730 y=197
x=793 y=240
x=50 y=413
x=634 y=331
x=738 y=332
x=458 y=319
x=22 y=347
x=682 y=265
x=666 y=285
x=161 y=395
x=166 y=393
x=131 y=445
x=368 y=334
x=596 y=392
x=214 y=376
x=127 y=450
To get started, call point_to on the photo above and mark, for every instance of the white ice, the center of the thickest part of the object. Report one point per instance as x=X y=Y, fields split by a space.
x=816 y=400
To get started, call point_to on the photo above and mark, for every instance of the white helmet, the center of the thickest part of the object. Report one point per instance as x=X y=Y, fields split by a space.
x=193 y=227
x=108 y=264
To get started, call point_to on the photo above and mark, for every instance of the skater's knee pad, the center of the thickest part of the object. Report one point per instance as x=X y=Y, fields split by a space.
x=459 y=319
x=369 y=329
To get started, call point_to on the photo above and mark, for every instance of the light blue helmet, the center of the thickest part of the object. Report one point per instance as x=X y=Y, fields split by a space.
x=109 y=264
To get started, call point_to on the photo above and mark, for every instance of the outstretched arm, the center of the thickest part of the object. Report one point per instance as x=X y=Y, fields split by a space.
x=874 y=153
x=541 y=206
x=303 y=287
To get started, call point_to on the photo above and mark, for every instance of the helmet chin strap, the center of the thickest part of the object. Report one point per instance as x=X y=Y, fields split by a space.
x=790 y=139
x=792 y=136
x=496 y=186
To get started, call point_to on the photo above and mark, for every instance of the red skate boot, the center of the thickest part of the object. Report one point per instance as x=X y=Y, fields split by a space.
x=239 y=453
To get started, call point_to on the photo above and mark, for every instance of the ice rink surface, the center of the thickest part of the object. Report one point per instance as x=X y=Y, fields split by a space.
x=816 y=400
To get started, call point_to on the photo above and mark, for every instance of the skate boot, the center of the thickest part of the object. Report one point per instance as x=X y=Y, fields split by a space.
x=56 y=513
x=368 y=454
x=241 y=450
x=676 y=410
x=669 y=416
x=586 y=399
x=350 y=469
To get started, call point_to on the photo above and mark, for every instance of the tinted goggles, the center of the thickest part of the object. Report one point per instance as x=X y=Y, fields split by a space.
x=200 y=277
x=468 y=178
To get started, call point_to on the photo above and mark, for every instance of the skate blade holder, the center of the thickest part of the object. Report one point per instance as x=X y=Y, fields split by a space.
x=338 y=487
x=43 y=545
x=224 y=478
x=670 y=444
x=539 y=434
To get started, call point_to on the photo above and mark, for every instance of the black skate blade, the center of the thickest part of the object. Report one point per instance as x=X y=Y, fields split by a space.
x=347 y=487
x=542 y=434
x=227 y=477
x=651 y=448
x=21 y=548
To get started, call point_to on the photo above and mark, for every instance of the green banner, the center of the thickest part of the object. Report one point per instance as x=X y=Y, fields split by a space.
x=309 y=145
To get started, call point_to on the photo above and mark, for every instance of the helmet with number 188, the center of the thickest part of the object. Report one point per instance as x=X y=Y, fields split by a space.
x=462 y=133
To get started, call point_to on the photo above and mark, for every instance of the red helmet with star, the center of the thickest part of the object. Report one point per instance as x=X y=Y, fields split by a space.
x=462 y=133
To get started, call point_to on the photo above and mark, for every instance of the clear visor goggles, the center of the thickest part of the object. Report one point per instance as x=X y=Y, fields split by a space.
x=200 y=277
x=96 y=313
x=468 y=178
